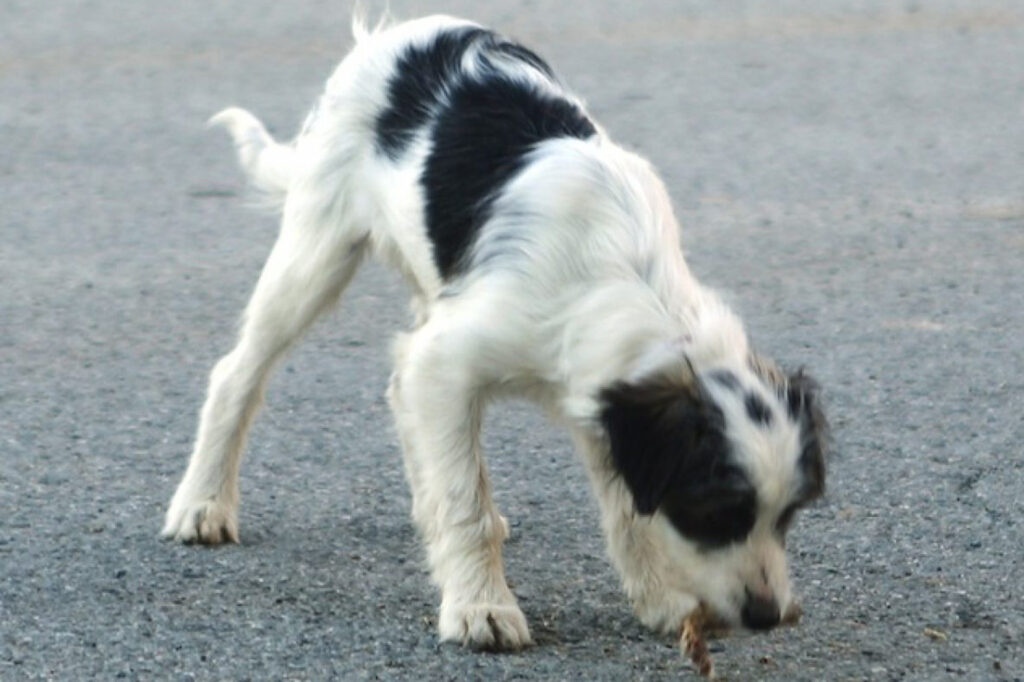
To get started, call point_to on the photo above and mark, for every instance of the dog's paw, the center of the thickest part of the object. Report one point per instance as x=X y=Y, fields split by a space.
x=208 y=522
x=489 y=627
x=664 y=611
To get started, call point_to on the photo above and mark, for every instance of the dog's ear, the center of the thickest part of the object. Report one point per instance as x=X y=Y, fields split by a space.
x=802 y=397
x=803 y=400
x=662 y=431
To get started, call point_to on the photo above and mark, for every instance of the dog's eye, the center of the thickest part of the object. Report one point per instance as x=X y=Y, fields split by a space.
x=786 y=518
x=717 y=524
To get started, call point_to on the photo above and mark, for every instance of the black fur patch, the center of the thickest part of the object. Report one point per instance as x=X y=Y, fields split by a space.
x=785 y=519
x=804 y=405
x=668 y=444
x=481 y=127
x=717 y=519
x=724 y=377
x=480 y=141
x=417 y=86
x=520 y=53
x=757 y=409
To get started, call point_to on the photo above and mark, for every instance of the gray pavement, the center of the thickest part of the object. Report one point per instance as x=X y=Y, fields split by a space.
x=850 y=172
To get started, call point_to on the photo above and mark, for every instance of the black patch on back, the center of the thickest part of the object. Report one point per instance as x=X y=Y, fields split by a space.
x=417 y=86
x=480 y=140
x=481 y=128
x=757 y=409
x=668 y=444
x=517 y=51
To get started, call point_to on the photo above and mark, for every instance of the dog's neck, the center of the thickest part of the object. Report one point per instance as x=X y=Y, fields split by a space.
x=625 y=333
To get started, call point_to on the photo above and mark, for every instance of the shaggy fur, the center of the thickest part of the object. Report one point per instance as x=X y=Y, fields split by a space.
x=543 y=261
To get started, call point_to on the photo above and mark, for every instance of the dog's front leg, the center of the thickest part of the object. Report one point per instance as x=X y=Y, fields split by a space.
x=438 y=411
x=633 y=544
x=639 y=558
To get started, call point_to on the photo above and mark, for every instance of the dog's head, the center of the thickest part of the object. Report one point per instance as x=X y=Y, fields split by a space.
x=721 y=460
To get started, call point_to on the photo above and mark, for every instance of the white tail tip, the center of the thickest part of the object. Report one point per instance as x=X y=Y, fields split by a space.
x=267 y=163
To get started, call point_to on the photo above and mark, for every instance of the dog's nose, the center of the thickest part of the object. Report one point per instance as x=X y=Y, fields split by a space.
x=760 y=613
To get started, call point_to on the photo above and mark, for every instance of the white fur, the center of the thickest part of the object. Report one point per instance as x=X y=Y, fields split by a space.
x=596 y=291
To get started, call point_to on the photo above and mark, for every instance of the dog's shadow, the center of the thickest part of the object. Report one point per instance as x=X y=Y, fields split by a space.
x=367 y=567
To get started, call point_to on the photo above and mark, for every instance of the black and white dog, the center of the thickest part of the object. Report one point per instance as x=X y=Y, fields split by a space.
x=544 y=261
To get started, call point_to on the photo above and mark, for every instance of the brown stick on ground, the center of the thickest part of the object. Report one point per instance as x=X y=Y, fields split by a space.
x=691 y=641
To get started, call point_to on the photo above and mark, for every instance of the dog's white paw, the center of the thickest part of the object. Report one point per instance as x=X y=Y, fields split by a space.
x=209 y=522
x=663 y=611
x=492 y=627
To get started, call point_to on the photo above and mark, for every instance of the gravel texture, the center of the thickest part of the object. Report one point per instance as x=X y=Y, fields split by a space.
x=850 y=172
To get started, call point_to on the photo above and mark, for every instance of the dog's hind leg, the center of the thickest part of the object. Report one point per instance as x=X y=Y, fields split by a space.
x=311 y=263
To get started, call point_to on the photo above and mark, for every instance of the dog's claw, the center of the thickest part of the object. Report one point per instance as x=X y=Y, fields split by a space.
x=486 y=627
x=205 y=522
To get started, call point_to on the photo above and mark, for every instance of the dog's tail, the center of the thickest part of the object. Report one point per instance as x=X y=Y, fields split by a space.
x=267 y=163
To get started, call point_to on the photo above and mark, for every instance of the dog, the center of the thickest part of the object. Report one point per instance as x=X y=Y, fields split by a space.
x=544 y=261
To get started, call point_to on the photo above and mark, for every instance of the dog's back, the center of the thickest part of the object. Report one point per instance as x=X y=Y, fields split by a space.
x=455 y=151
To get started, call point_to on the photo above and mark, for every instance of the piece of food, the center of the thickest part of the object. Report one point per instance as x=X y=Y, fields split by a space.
x=691 y=641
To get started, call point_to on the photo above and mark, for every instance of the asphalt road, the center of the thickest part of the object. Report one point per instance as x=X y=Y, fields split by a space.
x=850 y=172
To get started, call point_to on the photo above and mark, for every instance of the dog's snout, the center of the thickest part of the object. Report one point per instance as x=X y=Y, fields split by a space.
x=759 y=612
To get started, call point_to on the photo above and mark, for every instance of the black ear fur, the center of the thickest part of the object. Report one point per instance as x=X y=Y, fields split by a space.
x=803 y=399
x=661 y=434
